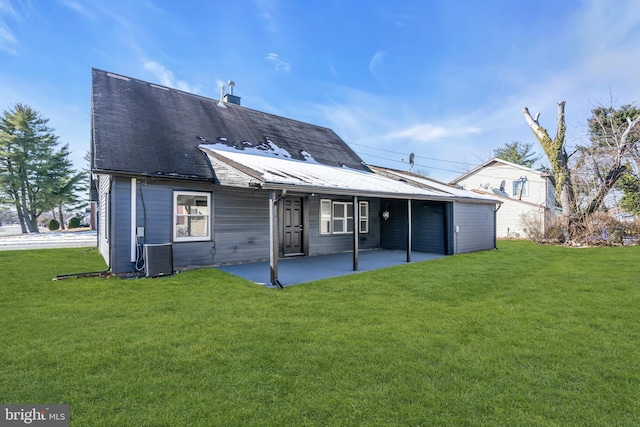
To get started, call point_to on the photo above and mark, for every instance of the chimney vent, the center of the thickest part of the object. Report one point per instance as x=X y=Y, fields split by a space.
x=229 y=98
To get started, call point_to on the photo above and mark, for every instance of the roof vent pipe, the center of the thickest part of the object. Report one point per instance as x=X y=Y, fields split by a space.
x=230 y=98
x=220 y=103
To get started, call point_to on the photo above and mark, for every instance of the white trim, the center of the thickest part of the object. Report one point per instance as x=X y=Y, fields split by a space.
x=325 y=218
x=346 y=220
x=174 y=215
x=363 y=217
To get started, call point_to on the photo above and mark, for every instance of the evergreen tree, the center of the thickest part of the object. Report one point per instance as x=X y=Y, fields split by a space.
x=518 y=153
x=630 y=186
x=35 y=174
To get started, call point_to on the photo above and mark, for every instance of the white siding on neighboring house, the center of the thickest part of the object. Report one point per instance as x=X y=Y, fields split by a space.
x=537 y=198
x=492 y=176
x=509 y=218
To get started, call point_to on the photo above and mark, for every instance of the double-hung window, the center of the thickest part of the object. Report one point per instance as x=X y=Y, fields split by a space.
x=520 y=185
x=337 y=217
x=192 y=216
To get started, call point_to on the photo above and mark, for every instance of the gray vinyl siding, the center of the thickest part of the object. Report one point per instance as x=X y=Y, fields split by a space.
x=241 y=225
x=476 y=225
x=120 y=225
x=154 y=212
x=320 y=244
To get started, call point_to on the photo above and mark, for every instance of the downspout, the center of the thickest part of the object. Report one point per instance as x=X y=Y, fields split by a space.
x=133 y=220
x=495 y=226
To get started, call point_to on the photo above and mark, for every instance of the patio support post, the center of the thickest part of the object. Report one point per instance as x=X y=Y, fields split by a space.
x=356 y=232
x=408 y=230
x=273 y=239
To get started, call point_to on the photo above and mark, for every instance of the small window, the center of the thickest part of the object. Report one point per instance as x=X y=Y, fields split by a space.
x=364 y=217
x=192 y=216
x=520 y=185
x=325 y=216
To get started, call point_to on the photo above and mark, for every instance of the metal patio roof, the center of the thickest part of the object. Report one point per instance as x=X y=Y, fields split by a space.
x=247 y=169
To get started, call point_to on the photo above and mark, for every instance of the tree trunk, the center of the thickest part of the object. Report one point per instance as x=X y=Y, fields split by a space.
x=21 y=218
x=61 y=217
x=610 y=180
x=554 y=149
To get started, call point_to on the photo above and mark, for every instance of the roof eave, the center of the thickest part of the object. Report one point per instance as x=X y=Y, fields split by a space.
x=156 y=175
x=377 y=194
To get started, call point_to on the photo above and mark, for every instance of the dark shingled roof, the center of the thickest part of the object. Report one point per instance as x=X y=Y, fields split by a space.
x=139 y=128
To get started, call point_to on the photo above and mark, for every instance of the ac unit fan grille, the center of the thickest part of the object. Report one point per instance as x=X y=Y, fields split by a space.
x=158 y=260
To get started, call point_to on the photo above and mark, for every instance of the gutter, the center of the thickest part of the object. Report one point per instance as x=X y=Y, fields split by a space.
x=347 y=192
x=156 y=175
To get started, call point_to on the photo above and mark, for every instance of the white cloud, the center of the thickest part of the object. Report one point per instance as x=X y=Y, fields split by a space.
x=266 y=12
x=8 y=41
x=7 y=9
x=277 y=63
x=166 y=78
x=375 y=63
x=76 y=7
x=425 y=132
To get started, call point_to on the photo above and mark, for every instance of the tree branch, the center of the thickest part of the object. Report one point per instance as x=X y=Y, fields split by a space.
x=539 y=131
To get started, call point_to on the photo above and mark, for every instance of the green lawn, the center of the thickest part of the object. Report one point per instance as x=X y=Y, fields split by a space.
x=525 y=335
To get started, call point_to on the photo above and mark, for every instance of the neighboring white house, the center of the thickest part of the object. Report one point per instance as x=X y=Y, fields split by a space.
x=522 y=190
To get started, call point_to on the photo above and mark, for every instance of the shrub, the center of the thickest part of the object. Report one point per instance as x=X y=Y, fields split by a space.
x=532 y=226
x=53 y=225
x=74 y=222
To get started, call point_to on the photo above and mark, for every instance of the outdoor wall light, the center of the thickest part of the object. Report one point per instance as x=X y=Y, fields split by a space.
x=385 y=212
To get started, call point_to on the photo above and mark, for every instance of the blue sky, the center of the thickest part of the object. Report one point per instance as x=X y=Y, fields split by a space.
x=446 y=80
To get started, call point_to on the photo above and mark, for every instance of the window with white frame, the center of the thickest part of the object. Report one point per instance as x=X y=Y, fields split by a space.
x=192 y=216
x=364 y=217
x=520 y=185
x=325 y=216
x=342 y=217
x=337 y=217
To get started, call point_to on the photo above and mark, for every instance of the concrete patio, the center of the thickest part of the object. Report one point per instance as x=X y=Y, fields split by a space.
x=293 y=271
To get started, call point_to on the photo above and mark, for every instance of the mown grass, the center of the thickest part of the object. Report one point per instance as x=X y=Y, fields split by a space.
x=526 y=335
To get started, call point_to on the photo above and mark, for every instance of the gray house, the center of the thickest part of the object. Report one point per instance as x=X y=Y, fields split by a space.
x=186 y=181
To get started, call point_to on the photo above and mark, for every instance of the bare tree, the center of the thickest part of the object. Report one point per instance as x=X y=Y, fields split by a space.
x=598 y=168
x=613 y=150
x=558 y=158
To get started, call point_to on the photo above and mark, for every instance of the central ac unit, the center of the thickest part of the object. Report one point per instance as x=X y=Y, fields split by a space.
x=158 y=260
